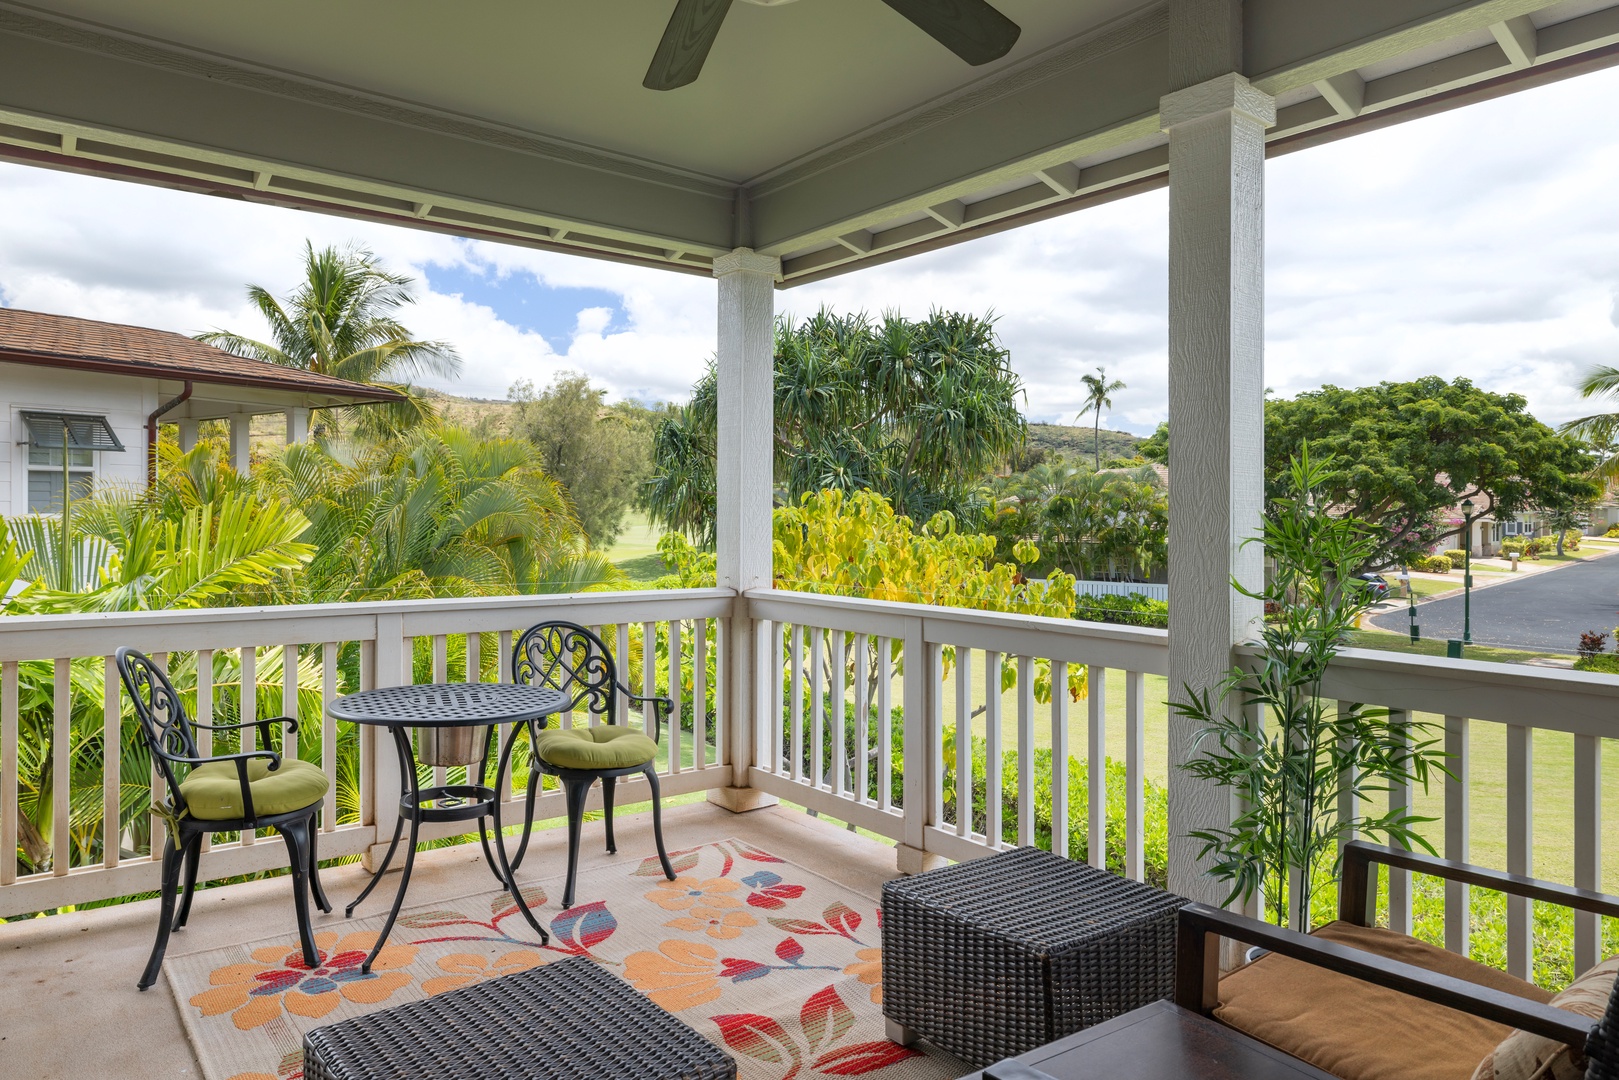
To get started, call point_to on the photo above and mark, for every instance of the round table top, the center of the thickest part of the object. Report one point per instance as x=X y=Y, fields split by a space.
x=449 y=704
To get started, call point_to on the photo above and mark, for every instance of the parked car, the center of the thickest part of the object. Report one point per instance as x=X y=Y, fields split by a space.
x=1377 y=584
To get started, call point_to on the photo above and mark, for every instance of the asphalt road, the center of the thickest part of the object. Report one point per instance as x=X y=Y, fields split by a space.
x=1544 y=612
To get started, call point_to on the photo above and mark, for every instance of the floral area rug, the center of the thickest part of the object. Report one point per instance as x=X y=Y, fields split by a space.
x=779 y=966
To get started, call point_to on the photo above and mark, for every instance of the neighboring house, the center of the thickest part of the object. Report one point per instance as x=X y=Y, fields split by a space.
x=109 y=386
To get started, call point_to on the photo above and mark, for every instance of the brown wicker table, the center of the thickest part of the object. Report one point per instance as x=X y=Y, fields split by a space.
x=571 y=1020
x=992 y=958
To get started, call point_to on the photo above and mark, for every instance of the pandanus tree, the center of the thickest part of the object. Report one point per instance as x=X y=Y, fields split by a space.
x=915 y=410
x=342 y=321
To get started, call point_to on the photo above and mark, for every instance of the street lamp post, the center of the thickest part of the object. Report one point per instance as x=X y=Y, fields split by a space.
x=1467 y=572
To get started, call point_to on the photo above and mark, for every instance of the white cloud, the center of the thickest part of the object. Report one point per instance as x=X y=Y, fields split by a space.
x=1482 y=242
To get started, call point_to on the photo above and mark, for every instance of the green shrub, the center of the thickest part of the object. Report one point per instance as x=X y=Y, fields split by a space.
x=1607 y=663
x=1571 y=540
x=1155 y=819
x=1135 y=609
x=1613 y=532
x=1513 y=545
x=1456 y=556
x=1431 y=564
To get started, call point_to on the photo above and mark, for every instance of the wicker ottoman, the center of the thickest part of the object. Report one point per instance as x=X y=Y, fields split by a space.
x=570 y=1020
x=994 y=957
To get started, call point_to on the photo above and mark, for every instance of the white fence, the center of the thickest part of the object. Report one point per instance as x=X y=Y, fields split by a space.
x=1123 y=588
x=908 y=678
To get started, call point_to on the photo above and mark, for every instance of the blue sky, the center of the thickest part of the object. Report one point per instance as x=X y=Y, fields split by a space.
x=524 y=300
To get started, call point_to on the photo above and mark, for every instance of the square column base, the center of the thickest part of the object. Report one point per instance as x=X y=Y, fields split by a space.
x=739 y=800
x=916 y=861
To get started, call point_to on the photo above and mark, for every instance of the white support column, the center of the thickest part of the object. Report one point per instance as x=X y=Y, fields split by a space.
x=743 y=482
x=188 y=435
x=297 y=426
x=1216 y=409
x=241 y=427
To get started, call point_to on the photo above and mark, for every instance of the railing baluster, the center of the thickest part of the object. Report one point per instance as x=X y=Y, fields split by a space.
x=248 y=712
x=441 y=673
x=1520 y=846
x=862 y=719
x=328 y=734
x=112 y=744
x=1348 y=805
x=649 y=675
x=992 y=756
x=1059 y=758
x=1458 y=910
x=885 y=724
x=157 y=792
x=778 y=685
x=675 y=764
x=699 y=693
x=722 y=661
x=795 y=711
x=964 y=742
x=8 y=771
x=61 y=777
x=926 y=694
x=817 y=708
x=472 y=665
x=1587 y=846
x=1135 y=776
x=503 y=674
x=1025 y=750
x=839 y=730
x=1399 y=799
x=289 y=696
x=1096 y=767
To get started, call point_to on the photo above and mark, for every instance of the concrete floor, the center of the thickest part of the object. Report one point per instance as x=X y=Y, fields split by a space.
x=69 y=1009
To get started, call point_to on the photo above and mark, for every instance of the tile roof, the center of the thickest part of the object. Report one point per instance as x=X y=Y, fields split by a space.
x=32 y=337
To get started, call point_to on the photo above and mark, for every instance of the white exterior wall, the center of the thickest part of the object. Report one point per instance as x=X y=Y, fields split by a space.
x=125 y=402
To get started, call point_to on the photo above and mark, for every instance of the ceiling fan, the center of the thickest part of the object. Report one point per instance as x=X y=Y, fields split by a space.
x=971 y=29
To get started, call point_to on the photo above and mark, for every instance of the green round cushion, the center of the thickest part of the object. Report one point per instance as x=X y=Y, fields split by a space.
x=606 y=746
x=213 y=793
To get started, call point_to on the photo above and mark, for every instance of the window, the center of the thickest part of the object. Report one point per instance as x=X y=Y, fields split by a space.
x=45 y=477
x=50 y=435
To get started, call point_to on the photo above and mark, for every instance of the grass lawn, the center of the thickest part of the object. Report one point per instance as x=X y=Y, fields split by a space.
x=1433 y=586
x=1379 y=639
x=636 y=552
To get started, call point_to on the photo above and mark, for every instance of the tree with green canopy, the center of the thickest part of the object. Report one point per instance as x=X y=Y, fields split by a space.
x=342 y=321
x=1099 y=391
x=1405 y=453
x=600 y=453
x=916 y=410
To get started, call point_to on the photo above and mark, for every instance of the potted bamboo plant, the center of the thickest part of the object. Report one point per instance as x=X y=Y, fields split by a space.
x=1266 y=732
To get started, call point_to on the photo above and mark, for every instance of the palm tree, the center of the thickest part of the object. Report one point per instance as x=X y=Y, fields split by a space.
x=1600 y=430
x=1098 y=393
x=340 y=321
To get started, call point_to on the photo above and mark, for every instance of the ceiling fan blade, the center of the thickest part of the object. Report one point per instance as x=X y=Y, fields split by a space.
x=686 y=41
x=971 y=29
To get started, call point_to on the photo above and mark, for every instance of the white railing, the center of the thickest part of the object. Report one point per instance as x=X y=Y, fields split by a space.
x=58 y=685
x=907 y=677
x=945 y=670
x=1471 y=704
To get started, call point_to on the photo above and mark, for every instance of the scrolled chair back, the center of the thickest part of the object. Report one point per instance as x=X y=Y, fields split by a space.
x=162 y=716
x=569 y=658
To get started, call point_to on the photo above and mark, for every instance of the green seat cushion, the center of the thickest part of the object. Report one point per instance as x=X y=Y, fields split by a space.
x=605 y=746
x=213 y=792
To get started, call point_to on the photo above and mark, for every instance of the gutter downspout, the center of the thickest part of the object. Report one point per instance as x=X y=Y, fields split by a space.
x=151 y=432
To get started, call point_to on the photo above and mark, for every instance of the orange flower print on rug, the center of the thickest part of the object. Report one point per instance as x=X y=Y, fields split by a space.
x=870 y=972
x=464 y=969
x=684 y=893
x=680 y=975
x=277 y=978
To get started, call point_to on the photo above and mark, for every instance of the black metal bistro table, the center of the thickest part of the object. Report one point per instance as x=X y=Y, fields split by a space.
x=447 y=718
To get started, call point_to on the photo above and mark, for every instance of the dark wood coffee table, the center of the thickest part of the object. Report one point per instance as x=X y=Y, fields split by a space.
x=1160 y=1041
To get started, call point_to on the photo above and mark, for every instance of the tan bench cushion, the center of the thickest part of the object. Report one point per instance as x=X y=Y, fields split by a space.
x=1358 y=1031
